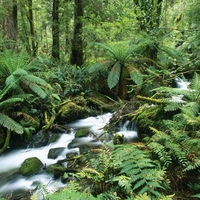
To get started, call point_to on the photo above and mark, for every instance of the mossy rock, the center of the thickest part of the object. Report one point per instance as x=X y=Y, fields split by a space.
x=70 y=111
x=83 y=132
x=53 y=138
x=56 y=169
x=31 y=166
x=118 y=139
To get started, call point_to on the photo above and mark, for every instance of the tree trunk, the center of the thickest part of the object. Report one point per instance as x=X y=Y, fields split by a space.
x=121 y=88
x=32 y=29
x=77 y=42
x=55 y=30
x=10 y=30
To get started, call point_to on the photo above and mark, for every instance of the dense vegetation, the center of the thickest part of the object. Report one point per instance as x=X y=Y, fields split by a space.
x=63 y=60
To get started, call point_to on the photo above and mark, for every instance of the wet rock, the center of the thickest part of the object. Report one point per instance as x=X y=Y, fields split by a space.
x=31 y=166
x=40 y=139
x=84 y=144
x=55 y=152
x=83 y=132
x=56 y=169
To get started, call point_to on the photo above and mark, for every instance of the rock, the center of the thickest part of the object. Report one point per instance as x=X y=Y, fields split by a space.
x=55 y=152
x=40 y=139
x=83 y=132
x=84 y=144
x=118 y=139
x=53 y=138
x=30 y=166
x=70 y=111
x=56 y=169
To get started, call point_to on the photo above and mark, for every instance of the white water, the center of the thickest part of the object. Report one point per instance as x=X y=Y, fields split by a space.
x=11 y=180
x=181 y=84
x=129 y=132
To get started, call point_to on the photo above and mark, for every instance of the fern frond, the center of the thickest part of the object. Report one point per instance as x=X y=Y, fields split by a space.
x=136 y=164
x=10 y=124
x=195 y=82
x=135 y=74
x=114 y=75
x=161 y=152
x=193 y=166
x=38 y=90
x=11 y=101
x=90 y=173
x=34 y=79
x=96 y=67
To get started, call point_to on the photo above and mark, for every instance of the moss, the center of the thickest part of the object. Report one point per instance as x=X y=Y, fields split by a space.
x=118 y=139
x=83 y=132
x=30 y=166
x=70 y=111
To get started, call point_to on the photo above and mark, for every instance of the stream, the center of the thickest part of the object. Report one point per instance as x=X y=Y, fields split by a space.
x=13 y=183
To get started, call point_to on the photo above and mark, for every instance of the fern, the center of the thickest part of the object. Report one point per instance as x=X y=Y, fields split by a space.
x=10 y=124
x=71 y=192
x=136 y=164
x=114 y=75
x=160 y=151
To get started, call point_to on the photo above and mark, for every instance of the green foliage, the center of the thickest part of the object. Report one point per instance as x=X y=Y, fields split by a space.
x=16 y=71
x=114 y=75
x=73 y=191
x=144 y=174
x=119 y=66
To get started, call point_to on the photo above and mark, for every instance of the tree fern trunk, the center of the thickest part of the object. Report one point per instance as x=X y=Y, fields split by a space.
x=121 y=88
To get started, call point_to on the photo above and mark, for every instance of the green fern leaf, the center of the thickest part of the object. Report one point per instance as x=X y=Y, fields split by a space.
x=20 y=72
x=11 y=81
x=10 y=102
x=10 y=124
x=114 y=75
x=34 y=79
x=96 y=67
x=38 y=90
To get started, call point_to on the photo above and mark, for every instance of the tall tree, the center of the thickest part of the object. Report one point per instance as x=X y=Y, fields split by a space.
x=55 y=30
x=32 y=28
x=77 y=41
x=10 y=30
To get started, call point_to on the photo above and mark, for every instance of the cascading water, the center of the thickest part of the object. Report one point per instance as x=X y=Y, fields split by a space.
x=128 y=130
x=12 y=182
x=181 y=84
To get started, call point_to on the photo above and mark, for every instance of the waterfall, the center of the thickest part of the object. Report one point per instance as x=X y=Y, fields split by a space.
x=181 y=84
x=128 y=130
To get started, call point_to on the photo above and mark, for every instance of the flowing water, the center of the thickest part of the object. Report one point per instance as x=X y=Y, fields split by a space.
x=11 y=182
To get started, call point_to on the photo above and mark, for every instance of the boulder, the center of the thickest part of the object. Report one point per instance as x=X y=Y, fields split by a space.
x=31 y=166
x=70 y=111
x=55 y=152
x=83 y=132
